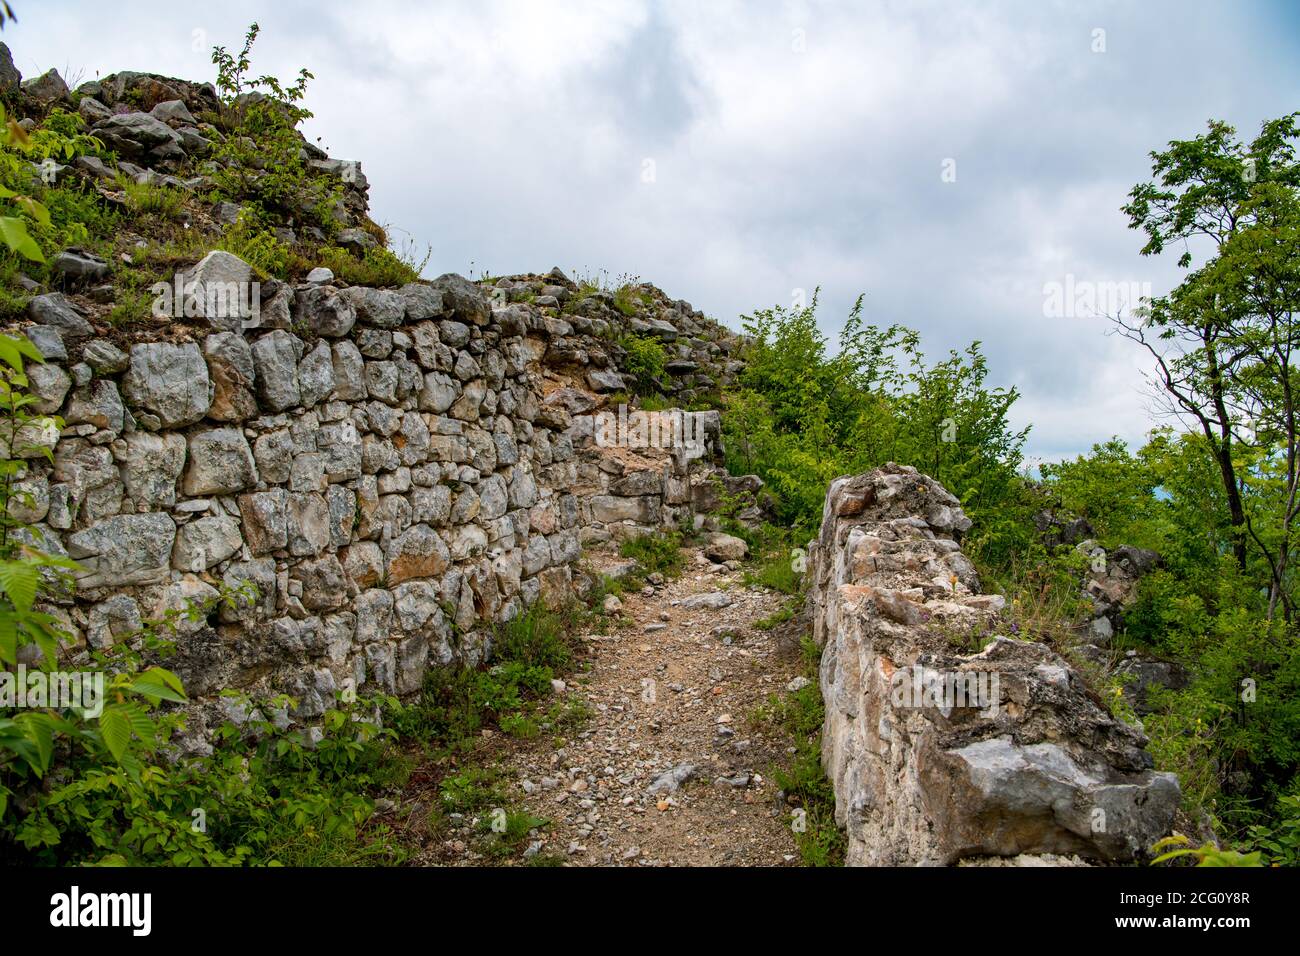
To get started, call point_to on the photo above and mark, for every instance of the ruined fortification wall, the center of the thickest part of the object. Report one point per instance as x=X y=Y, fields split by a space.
x=393 y=470
x=941 y=752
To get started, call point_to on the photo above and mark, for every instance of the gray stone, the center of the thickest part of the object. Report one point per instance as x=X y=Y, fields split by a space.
x=232 y=372
x=53 y=309
x=439 y=393
x=105 y=357
x=273 y=453
x=341 y=446
x=49 y=385
x=431 y=506
x=221 y=463
x=275 y=357
x=349 y=373
x=77 y=265
x=174 y=113
x=96 y=404
x=111 y=620
x=220 y=290
x=92 y=478
x=725 y=547
x=418 y=552
x=124 y=550
x=10 y=79
x=463 y=299
x=168 y=381
x=137 y=135
x=358 y=240
x=325 y=310
x=324 y=585
x=206 y=542
x=670 y=781
x=605 y=380
x=258 y=580
x=713 y=600
x=265 y=518
x=421 y=301
x=382 y=381
x=374 y=610
x=342 y=504
x=29 y=500
x=45 y=90
x=380 y=307
x=308 y=524
x=151 y=463
x=316 y=375
x=363 y=562
x=47 y=340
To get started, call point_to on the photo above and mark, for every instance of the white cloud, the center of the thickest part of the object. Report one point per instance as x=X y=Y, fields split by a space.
x=514 y=135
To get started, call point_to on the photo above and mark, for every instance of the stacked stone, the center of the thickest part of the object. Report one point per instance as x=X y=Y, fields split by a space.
x=702 y=354
x=384 y=474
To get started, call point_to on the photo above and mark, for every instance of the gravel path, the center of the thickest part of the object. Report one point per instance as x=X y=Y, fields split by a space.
x=669 y=770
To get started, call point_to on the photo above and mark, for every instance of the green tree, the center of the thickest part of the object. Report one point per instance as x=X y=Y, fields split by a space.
x=1207 y=193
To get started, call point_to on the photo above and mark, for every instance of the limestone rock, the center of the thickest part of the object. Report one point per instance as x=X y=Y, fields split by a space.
x=937 y=755
x=221 y=463
x=124 y=550
x=168 y=381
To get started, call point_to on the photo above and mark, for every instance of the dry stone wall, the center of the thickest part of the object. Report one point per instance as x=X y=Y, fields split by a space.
x=940 y=752
x=393 y=470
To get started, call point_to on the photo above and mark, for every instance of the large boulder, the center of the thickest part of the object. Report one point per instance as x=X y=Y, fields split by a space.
x=45 y=90
x=220 y=289
x=10 y=78
x=53 y=309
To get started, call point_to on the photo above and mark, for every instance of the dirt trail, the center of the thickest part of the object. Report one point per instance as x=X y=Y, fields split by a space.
x=670 y=689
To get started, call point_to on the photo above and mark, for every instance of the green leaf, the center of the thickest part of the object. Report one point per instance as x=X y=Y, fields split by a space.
x=159 y=683
x=20 y=580
x=13 y=232
x=39 y=729
x=115 y=725
x=34 y=209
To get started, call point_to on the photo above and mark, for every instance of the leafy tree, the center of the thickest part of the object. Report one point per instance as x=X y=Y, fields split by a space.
x=1213 y=191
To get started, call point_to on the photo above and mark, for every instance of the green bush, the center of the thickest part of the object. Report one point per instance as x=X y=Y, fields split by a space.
x=257 y=246
x=646 y=361
x=655 y=552
x=378 y=267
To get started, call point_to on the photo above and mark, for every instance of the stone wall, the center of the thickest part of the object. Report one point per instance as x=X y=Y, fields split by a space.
x=1025 y=763
x=394 y=470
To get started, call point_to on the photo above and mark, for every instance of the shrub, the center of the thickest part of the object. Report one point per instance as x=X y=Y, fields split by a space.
x=378 y=267
x=655 y=552
x=258 y=247
x=646 y=361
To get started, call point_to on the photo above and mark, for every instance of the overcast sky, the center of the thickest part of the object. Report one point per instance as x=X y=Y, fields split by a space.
x=950 y=160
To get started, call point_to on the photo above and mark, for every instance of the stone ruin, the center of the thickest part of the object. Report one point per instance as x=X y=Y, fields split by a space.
x=393 y=469
x=941 y=753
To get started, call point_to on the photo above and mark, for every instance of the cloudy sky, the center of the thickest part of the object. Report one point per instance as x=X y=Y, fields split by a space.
x=949 y=160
